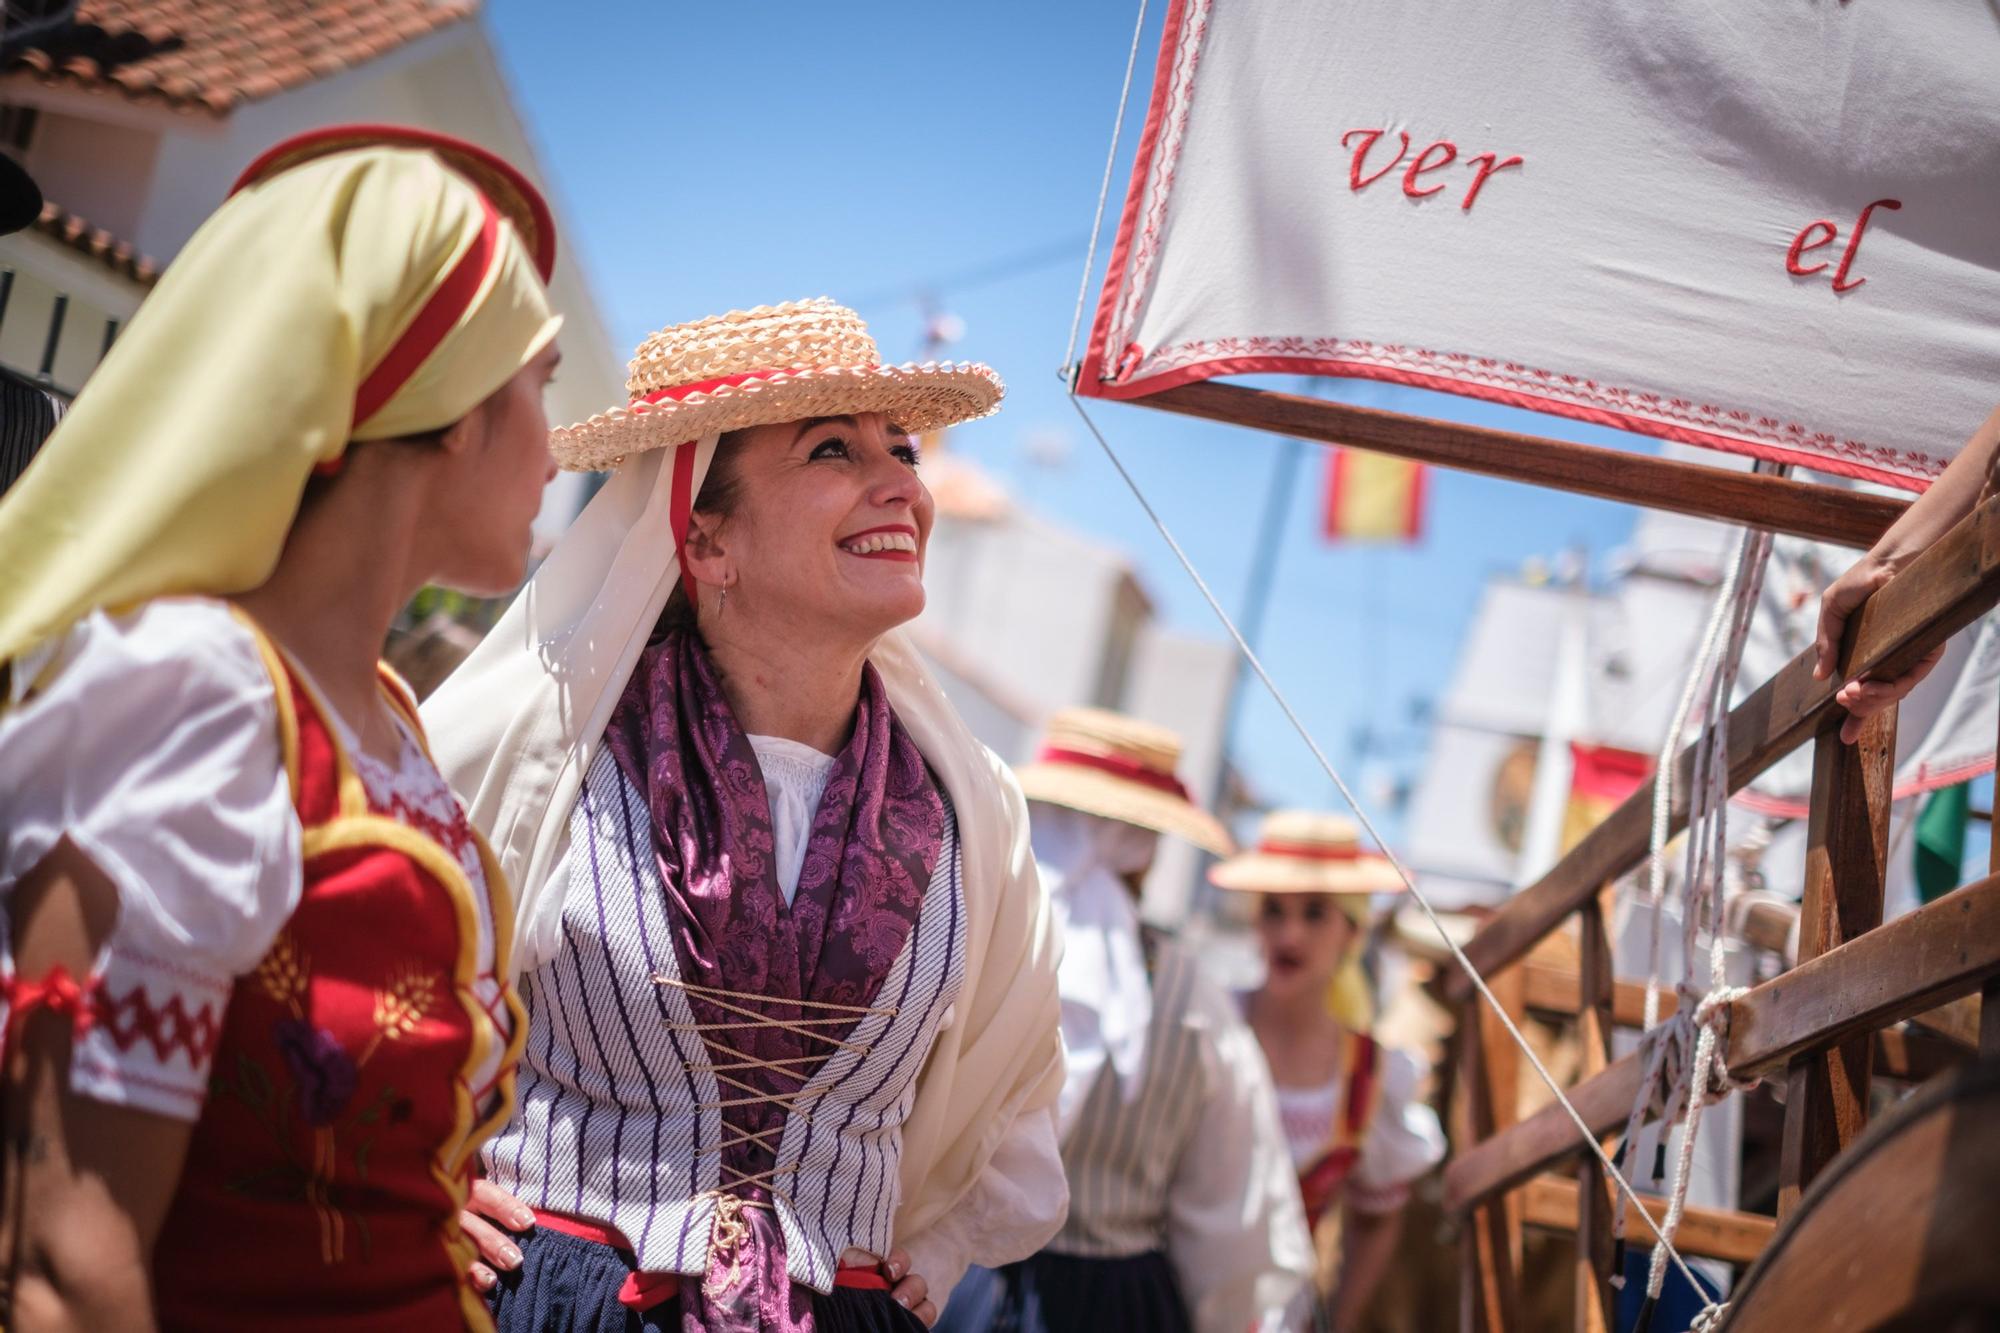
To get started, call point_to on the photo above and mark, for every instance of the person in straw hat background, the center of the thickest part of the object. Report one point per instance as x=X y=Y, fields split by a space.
x=1184 y=1213
x=254 y=956
x=791 y=974
x=1357 y=1132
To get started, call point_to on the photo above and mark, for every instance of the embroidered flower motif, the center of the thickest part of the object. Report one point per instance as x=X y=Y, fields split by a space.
x=324 y=1073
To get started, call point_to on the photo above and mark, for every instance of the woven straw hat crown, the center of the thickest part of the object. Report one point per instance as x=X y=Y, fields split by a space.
x=795 y=335
x=1117 y=767
x=766 y=366
x=1308 y=851
x=1100 y=731
x=1308 y=829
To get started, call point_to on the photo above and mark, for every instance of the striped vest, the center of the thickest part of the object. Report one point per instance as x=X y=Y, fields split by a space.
x=617 y=1118
x=1122 y=1152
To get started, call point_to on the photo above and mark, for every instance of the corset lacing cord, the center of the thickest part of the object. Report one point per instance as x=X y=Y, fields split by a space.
x=729 y=1227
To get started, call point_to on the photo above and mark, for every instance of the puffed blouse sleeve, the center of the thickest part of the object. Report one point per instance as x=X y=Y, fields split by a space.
x=150 y=741
x=1403 y=1141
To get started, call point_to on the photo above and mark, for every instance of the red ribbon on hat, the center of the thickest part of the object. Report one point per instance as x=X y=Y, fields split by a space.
x=1305 y=851
x=1128 y=769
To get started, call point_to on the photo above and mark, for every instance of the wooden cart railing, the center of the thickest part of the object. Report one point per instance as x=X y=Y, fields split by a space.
x=1817 y=1028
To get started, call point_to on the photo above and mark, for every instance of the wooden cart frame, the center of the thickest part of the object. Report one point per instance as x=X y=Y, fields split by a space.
x=1823 y=1027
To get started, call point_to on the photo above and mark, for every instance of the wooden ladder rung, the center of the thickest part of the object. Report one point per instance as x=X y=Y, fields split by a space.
x=1549 y=1202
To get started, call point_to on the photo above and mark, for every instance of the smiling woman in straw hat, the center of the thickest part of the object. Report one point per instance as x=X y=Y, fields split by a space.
x=791 y=973
x=1357 y=1131
x=254 y=954
x=1183 y=1210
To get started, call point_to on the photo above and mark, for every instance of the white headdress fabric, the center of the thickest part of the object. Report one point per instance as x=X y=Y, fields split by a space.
x=1107 y=996
x=516 y=727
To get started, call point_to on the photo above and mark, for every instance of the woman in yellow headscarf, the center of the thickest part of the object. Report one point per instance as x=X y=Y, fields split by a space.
x=253 y=958
x=1358 y=1132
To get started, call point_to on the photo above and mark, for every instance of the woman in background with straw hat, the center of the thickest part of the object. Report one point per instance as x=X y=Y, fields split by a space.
x=794 y=1051
x=1184 y=1213
x=1358 y=1133
x=255 y=960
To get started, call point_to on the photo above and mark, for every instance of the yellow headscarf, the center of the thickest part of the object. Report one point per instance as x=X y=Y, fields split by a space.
x=180 y=467
x=1350 y=997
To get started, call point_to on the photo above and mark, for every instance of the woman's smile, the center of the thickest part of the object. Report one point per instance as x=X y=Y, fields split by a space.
x=895 y=541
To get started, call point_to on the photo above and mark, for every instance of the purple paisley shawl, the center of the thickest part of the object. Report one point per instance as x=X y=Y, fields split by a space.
x=874 y=842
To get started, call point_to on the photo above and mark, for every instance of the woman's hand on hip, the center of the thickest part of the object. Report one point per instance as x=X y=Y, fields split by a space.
x=488 y=1205
x=909 y=1289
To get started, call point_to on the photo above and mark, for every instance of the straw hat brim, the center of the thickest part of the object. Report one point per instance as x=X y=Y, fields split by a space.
x=916 y=397
x=1260 y=872
x=1110 y=797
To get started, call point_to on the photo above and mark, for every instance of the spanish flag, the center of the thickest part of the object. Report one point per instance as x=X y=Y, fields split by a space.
x=1601 y=777
x=1373 y=498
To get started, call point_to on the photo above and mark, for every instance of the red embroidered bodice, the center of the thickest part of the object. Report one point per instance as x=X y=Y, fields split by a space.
x=1322 y=1179
x=337 y=1144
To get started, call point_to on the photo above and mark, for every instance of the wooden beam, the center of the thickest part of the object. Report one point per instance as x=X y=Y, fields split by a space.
x=1896 y=971
x=1595 y=1303
x=1850 y=518
x=1511 y=1156
x=1555 y=989
x=1550 y=1202
x=1943 y=591
x=1899 y=970
x=1907 y=1052
x=1491 y=1255
x=1847 y=850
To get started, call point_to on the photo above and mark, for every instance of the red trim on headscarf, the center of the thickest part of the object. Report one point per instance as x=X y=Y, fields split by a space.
x=1128 y=769
x=1304 y=851
x=447 y=305
x=487 y=171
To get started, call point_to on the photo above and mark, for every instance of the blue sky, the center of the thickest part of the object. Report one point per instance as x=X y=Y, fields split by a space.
x=725 y=156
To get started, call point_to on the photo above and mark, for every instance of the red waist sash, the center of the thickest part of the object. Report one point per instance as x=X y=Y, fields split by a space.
x=641 y=1291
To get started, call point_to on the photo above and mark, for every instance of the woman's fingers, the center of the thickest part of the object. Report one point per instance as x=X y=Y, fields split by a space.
x=912 y=1292
x=1836 y=604
x=495 y=1246
x=489 y=1200
x=483 y=1277
x=897 y=1264
x=926 y=1312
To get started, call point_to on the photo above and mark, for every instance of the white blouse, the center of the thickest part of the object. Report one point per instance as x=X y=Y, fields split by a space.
x=150 y=740
x=794 y=778
x=1403 y=1141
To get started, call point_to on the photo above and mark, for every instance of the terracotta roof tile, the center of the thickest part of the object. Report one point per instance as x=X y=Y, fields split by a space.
x=116 y=255
x=214 y=55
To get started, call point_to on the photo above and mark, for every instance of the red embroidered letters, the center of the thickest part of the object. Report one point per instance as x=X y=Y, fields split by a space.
x=1437 y=155
x=1815 y=235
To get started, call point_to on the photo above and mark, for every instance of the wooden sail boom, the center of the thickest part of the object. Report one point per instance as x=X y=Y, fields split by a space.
x=1851 y=518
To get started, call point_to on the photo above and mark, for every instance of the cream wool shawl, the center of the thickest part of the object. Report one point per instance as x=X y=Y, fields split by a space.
x=516 y=727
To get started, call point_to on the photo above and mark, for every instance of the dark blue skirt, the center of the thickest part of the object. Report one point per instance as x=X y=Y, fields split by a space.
x=1062 y=1293
x=569 y=1285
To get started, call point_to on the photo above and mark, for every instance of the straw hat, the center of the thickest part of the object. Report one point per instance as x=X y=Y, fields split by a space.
x=1303 y=851
x=1116 y=767
x=503 y=184
x=760 y=367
